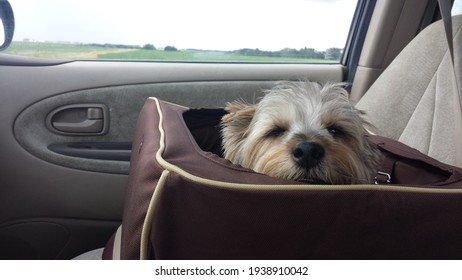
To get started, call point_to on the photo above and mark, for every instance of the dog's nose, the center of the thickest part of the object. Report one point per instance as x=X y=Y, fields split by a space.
x=307 y=154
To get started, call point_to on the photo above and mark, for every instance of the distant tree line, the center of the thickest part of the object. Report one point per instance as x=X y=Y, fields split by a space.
x=167 y=48
x=170 y=49
x=149 y=47
x=115 y=46
x=330 y=54
x=144 y=47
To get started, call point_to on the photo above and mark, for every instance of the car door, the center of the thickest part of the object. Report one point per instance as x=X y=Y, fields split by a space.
x=67 y=123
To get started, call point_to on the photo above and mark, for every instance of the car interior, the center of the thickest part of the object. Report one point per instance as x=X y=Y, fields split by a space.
x=68 y=124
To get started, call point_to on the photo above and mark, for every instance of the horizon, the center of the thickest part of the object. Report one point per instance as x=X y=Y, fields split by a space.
x=202 y=24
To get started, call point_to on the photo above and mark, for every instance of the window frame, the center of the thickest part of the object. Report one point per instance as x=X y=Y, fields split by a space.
x=352 y=42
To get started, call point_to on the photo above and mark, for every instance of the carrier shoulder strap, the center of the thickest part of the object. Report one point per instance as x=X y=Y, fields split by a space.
x=445 y=8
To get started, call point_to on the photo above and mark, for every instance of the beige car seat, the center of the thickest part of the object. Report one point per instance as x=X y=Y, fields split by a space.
x=412 y=101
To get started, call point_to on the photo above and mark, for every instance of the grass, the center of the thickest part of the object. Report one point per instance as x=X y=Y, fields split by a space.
x=84 y=52
x=58 y=50
x=209 y=56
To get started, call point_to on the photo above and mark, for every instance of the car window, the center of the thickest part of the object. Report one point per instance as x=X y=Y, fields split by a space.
x=307 y=31
x=457 y=7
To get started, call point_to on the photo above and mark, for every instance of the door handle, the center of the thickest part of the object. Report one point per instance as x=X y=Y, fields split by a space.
x=79 y=119
x=86 y=126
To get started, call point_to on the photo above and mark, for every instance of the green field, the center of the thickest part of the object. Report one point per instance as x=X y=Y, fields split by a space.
x=85 y=52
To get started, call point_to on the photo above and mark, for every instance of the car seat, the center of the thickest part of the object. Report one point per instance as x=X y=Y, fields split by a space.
x=411 y=101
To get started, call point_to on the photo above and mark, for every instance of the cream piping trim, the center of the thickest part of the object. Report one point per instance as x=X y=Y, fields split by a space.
x=117 y=244
x=149 y=214
x=221 y=184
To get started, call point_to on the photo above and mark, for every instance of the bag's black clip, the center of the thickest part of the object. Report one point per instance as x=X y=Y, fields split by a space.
x=382 y=178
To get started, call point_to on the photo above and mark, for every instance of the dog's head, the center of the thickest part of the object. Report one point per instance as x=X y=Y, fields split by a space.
x=301 y=131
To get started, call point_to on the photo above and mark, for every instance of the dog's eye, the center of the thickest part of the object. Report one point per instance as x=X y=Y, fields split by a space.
x=335 y=131
x=275 y=132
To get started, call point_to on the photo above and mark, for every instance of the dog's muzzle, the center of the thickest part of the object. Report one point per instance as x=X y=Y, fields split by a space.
x=307 y=154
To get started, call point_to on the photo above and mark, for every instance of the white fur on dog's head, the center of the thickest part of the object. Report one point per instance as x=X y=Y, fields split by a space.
x=263 y=136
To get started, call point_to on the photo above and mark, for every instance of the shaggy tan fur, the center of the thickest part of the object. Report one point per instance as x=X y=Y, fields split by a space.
x=264 y=136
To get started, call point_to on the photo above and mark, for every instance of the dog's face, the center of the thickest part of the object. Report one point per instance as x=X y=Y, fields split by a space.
x=301 y=131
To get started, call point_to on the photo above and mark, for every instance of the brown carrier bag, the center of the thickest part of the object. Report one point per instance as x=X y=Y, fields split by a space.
x=186 y=202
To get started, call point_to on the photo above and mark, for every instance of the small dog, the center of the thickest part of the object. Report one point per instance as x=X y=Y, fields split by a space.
x=301 y=131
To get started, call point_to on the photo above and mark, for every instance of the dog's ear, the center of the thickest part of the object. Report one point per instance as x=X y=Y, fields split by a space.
x=235 y=126
x=369 y=128
x=239 y=113
x=238 y=119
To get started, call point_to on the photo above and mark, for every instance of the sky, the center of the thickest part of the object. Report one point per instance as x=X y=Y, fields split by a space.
x=197 y=24
x=201 y=24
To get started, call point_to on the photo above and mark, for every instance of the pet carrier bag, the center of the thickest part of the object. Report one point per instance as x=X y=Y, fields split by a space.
x=186 y=202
